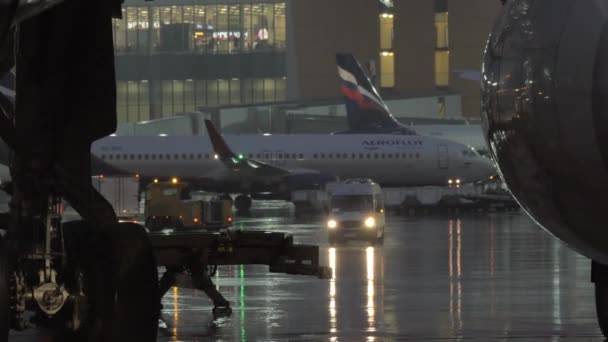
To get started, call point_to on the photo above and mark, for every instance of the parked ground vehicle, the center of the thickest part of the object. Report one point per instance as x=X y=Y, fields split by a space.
x=123 y=194
x=168 y=205
x=356 y=211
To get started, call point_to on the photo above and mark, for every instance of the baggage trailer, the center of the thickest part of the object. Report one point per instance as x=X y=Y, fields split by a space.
x=191 y=258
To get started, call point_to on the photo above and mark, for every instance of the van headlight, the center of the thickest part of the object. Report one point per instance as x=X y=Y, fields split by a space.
x=370 y=222
x=332 y=224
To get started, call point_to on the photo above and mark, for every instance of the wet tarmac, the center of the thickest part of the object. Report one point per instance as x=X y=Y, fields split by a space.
x=480 y=277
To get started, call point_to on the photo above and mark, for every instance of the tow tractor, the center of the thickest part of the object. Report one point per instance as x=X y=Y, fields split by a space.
x=169 y=205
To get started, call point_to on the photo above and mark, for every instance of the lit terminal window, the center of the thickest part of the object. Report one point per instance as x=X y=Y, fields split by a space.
x=442 y=68
x=387 y=69
x=441 y=28
x=386 y=31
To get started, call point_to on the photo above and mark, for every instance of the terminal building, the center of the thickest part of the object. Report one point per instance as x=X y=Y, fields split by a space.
x=176 y=56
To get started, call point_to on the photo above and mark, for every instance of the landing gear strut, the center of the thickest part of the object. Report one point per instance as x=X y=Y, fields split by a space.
x=599 y=276
x=242 y=203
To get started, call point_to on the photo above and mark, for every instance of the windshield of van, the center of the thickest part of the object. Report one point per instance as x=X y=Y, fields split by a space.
x=352 y=203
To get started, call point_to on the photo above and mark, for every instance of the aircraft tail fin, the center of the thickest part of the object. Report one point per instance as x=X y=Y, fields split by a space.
x=220 y=147
x=365 y=108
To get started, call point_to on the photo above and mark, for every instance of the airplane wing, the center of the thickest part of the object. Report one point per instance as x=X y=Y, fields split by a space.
x=239 y=163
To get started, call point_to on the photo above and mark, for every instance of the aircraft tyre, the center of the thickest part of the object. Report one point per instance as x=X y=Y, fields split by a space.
x=601 y=305
x=5 y=311
x=137 y=314
x=133 y=315
x=242 y=203
x=599 y=275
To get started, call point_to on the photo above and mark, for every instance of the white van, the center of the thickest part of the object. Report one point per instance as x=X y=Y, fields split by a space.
x=356 y=211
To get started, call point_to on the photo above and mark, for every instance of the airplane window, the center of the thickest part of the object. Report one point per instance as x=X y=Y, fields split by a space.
x=375 y=155
x=314 y=156
x=389 y=156
x=110 y=156
x=353 y=156
x=337 y=155
x=360 y=155
x=322 y=155
x=417 y=155
x=139 y=157
x=368 y=156
x=382 y=155
x=280 y=156
x=330 y=155
x=250 y=155
x=103 y=156
x=125 y=157
x=118 y=157
x=145 y=156
x=199 y=156
x=160 y=156
x=191 y=156
x=176 y=156
x=301 y=155
x=153 y=156
x=396 y=155
x=206 y=156
x=132 y=157
x=183 y=156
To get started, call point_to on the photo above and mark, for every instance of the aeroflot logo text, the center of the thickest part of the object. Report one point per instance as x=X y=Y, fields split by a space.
x=392 y=143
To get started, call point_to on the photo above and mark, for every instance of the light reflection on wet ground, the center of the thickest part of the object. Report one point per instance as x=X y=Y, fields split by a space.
x=486 y=277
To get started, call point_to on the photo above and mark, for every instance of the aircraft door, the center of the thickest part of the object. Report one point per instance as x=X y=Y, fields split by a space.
x=442 y=153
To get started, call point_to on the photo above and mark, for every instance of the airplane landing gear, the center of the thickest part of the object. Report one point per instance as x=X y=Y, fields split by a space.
x=242 y=203
x=5 y=310
x=599 y=276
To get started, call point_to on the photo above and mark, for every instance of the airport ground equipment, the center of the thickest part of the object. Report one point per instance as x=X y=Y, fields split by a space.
x=168 y=205
x=122 y=192
x=356 y=211
x=545 y=110
x=191 y=258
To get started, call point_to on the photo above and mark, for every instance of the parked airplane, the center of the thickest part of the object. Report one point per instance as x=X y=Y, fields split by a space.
x=279 y=163
x=367 y=113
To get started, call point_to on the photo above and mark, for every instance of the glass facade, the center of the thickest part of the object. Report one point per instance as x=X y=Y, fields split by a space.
x=442 y=52
x=145 y=100
x=387 y=69
x=441 y=29
x=387 y=55
x=386 y=31
x=244 y=26
x=183 y=55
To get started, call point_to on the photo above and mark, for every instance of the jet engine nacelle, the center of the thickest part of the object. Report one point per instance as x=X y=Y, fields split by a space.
x=545 y=113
